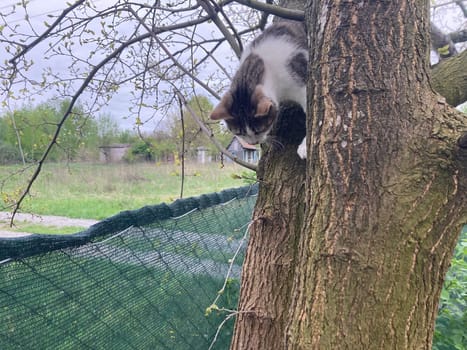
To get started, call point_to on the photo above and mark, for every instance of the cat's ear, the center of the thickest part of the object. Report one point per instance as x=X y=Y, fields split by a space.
x=264 y=107
x=263 y=103
x=221 y=111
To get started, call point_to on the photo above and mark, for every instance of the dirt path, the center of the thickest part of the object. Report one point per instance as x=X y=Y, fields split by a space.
x=44 y=220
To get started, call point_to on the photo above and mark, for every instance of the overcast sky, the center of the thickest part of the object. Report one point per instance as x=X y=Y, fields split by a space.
x=120 y=103
x=39 y=12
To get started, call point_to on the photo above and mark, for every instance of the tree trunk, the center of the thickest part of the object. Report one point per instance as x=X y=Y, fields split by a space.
x=270 y=260
x=385 y=193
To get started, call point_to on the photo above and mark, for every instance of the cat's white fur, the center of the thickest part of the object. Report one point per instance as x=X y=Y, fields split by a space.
x=276 y=52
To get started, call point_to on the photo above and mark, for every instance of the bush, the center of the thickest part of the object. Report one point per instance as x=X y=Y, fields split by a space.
x=140 y=151
x=9 y=154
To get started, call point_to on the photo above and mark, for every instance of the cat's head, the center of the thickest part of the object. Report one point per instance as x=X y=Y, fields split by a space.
x=249 y=116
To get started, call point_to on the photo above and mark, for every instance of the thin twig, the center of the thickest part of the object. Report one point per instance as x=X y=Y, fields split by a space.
x=174 y=60
x=183 y=146
x=213 y=305
x=114 y=55
x=47 y=32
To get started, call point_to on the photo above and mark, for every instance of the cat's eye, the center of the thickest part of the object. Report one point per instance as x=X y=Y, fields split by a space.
x=259 y=129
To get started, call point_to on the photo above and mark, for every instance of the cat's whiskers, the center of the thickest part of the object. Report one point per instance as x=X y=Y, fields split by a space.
x=275 y=143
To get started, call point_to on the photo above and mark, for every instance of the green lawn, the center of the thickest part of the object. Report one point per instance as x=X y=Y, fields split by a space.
x=97 y=191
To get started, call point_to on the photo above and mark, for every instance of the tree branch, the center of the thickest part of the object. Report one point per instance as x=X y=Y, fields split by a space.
x=78 y=93
x=449 y=78
x=235 y=43
x=282 y=12
x=174 y=60
x=462 y=6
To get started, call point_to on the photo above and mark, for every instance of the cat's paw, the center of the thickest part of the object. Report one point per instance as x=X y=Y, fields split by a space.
x=301 y=150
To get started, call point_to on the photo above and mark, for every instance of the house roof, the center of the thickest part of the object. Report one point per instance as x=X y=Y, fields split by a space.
x=116 y=145
x=245 y=145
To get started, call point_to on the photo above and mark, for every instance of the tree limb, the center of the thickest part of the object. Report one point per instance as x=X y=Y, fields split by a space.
x=449 y=78
x=462 y=6
x=282 y=12
x=235 y=43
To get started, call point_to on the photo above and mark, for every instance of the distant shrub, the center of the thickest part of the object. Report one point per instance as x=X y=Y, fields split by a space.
x=9 y=154
x=140 y=151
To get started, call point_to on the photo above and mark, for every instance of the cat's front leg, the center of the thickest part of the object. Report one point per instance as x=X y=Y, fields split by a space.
x=301 y=150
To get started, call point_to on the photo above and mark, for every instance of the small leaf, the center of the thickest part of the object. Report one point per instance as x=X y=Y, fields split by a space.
x=444 y=51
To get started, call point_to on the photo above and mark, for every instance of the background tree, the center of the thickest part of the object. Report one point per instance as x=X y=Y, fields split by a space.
x=108 y=130
x=36 y=127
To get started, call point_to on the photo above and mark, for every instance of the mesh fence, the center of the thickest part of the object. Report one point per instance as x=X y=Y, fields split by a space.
x=140 y=280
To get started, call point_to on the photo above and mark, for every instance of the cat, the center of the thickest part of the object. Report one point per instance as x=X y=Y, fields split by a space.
x=273 y=69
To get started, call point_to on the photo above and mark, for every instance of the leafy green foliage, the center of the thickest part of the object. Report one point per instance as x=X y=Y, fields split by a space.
x=8 y=153
x=451 y=324
x=31 y=129
x=108 y=131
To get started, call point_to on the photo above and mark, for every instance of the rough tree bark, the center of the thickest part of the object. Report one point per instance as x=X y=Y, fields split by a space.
x=449 y=78
x=361 y=263
x=267 y=275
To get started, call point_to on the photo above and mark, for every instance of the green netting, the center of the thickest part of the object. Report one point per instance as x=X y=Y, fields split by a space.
x=139 y=280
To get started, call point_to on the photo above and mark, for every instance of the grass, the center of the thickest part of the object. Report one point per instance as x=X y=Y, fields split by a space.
x=97 y=191
x=41 y=229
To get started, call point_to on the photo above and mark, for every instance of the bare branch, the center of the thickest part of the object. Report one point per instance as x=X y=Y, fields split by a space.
x=274 y=9
x=462 y=6
x=175 y=61
x=182 y=120
x=235 y=43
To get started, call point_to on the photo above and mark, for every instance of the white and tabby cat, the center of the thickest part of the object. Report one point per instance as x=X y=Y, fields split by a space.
x=273 y=69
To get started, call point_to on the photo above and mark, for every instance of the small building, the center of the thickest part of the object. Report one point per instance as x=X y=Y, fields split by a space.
x=202 y=155
x=113 y=153
x=243 y=150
